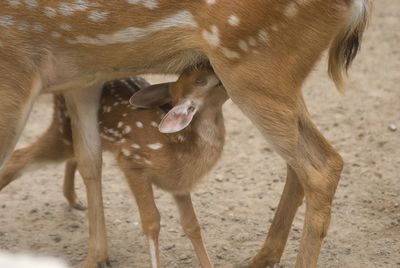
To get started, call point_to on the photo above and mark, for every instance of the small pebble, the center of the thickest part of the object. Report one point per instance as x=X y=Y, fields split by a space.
x=33 y=211
x=169 y=247
x=392 y=127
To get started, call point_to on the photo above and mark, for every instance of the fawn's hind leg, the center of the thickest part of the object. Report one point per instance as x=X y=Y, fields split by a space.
x=69 y=185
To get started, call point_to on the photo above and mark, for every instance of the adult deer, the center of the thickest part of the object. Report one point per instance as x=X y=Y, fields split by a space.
x=262 y=50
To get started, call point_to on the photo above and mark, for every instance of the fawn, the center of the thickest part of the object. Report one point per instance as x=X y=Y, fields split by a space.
x=261 y=50
x=175 y=160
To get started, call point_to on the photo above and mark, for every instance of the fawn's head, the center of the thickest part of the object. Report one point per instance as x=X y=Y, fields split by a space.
x=195 y=90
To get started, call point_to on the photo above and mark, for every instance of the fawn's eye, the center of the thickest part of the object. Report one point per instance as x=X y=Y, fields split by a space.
x=201 y=81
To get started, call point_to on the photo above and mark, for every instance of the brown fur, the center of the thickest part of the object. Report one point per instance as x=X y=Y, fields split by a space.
x=265 y=82
x=177 y=167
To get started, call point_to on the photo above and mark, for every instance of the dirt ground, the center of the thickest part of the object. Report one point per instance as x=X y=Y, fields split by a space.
x=237 y=200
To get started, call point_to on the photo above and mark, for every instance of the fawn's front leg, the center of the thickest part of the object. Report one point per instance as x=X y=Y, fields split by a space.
x=149 y=215
x=192 y=229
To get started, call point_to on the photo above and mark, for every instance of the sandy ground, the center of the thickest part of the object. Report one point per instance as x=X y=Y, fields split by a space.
x=237 y=200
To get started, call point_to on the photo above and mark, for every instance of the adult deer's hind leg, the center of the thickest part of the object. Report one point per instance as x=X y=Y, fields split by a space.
x=50 y=147
x=274 y=245
x=83 y=108
x=276 y=107
x=18 y=91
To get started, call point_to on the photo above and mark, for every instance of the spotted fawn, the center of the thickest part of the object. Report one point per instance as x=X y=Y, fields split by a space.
x=169 y=135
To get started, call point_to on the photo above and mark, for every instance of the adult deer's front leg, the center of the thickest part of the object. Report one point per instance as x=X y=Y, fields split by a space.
x=275 y=106
x=83 y=108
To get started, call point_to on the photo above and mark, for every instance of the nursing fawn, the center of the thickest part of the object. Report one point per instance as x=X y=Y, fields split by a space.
x=171 y=149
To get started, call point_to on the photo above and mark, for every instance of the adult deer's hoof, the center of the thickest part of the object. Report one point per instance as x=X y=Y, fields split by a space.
x=248 y=263
x=104 y=264
x=78 y=206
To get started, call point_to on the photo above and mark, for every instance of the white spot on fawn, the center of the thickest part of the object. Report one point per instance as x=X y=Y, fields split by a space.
x=37 y=27
x=263 y=36
x=120 y=124
x=181 y=138
x=150 y=4
x=6 y=21
x=291 y=10
x=148 y=162
x=55 y=35
x=31 y=3
x=230 y=54
x=211 y=2
x=126 y=152
x=68 y=9
x=107 y=138
x=135 y=146
x=127 y=129
x=233 y=20
x=66 y=27
x=183 y=19
x=14 y=2
x=124 y=115
x=23 y=26
x=97 y=15
x=154 y=124
x=212 y=37
x=243 y=46
x=139 y=124
x=137 y=157
x=252 y=41
x=106 y=109
x=155 y=146
x=50 y=12
x=121 y=141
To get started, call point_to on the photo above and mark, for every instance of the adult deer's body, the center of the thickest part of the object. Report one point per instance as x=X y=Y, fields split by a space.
x=262 y=51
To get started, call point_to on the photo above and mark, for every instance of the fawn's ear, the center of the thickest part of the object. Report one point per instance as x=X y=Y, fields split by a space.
x=152 y=96
x=178 y=118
